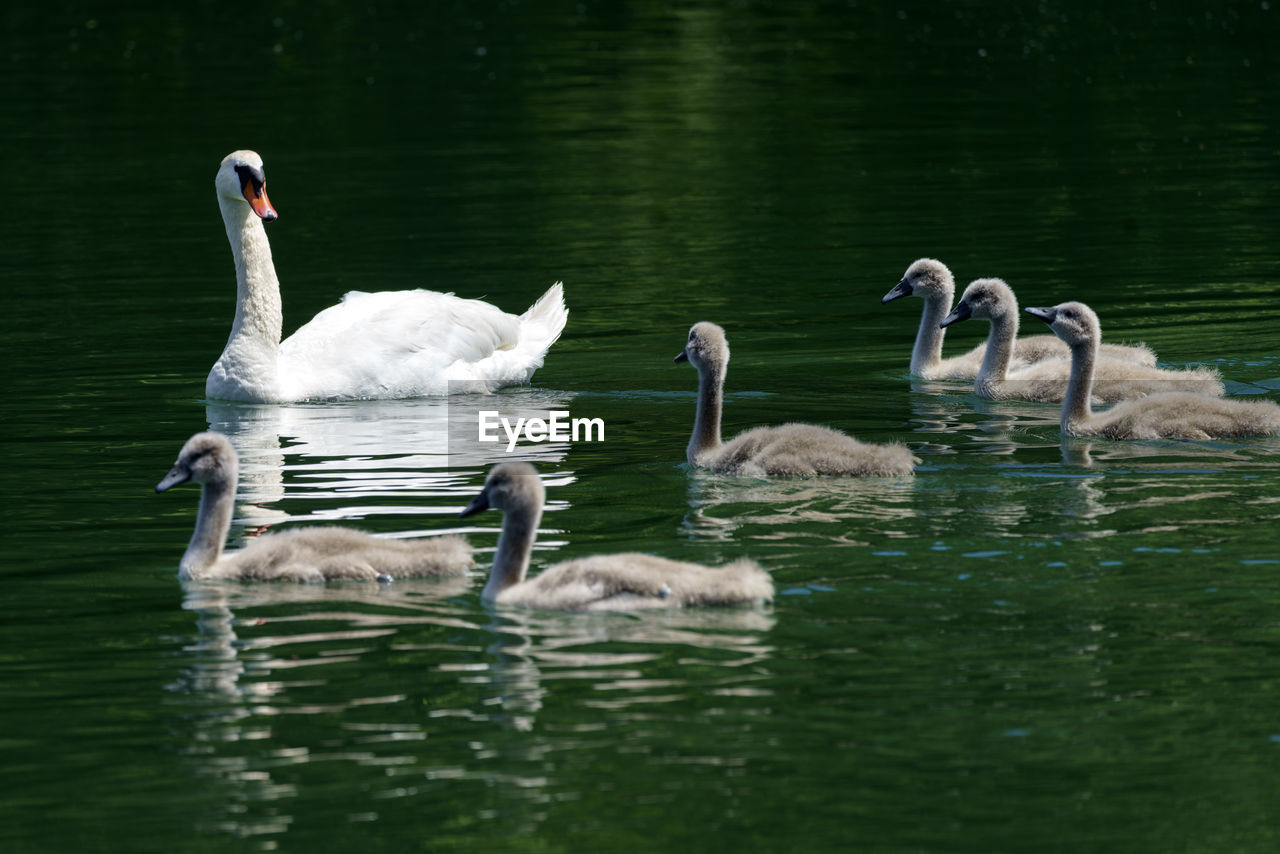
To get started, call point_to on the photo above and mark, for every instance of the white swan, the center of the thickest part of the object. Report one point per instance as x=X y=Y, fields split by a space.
x=1046 y=380
x=370 y=345
x=789 y=450
x=1177 y=415
x=930 y=280
x=623 y=581
x=301 y=554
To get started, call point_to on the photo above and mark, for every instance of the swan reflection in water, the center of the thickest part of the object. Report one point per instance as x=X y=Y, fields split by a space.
x=999 y=427
x=353 y=453
x=1171 y=453
x=220 y=667
x=721 y=504
x=422 y=695
x=1145 y=475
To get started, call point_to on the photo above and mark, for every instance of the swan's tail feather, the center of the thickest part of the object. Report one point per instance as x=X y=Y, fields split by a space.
x=544 y=321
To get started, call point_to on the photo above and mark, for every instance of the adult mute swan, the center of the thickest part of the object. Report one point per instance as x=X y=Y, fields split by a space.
x=1174 y=415
x=624 y=581
x=1046 y=380
x=930 y=280
x=789 y=450
x=301 y=554
x=370 y=345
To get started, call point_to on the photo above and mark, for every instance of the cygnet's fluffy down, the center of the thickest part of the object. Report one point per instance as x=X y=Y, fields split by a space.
x=300 y=554
x=1046 y=381
x=632 y=580
x=1172 y=415
x=333 y=553
x=789 y=450
x=807 y=450
x=626 y=581
x=1115 y=380
x=930 y=280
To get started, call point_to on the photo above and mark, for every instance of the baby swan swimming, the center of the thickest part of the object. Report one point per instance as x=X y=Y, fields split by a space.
x=1046 y=380
x=789 y=450
x=624 y=581
x=1173 y=415
x=302 y=554
x=930 y=280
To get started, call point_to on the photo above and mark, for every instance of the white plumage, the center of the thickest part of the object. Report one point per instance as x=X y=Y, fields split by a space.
x=370 y=345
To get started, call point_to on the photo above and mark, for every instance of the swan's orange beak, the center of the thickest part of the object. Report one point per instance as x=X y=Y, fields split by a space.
x=256 y=196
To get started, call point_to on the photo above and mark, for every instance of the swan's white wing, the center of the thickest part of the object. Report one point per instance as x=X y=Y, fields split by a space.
x=403 y=344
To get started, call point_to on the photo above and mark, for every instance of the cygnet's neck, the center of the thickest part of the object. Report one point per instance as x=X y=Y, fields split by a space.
x=706 y=425
x=1075 y=405
x=217 y=500
x=999 y=353
x=254 y=343
x=927 y=352
x=515 y=545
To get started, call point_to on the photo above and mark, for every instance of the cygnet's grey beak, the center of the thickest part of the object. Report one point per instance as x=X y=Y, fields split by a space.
x=1048 y=315
x=480 y=502
x=176 y=476
x=962 y=311
x=902 y=289
x=683 y=357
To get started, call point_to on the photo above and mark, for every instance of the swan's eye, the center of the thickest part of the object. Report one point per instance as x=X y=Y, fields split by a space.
x=251 y=177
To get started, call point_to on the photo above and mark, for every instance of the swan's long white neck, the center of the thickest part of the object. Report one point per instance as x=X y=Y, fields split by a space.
x=1075 y=406
x=706 y=425
x=217 y=500
x=249 y=361
x=515 y=545
x=999 y=353
x=927 y=352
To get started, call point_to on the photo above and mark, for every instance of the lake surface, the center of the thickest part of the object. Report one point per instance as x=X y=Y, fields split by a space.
x=1034 y=644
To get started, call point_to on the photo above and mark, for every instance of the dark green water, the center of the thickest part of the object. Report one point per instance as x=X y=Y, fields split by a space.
x=1033 y=646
